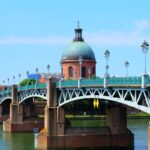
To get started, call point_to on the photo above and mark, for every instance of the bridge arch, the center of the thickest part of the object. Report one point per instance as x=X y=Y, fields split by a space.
x=130 y=97
x=5 y=99
x=32 y=96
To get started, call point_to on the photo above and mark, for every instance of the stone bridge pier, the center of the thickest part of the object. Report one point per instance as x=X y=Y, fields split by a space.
x=56 y=134
x=117 y=118
x=16 y=122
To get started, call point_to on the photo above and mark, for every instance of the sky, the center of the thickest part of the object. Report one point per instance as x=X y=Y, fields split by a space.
x=34 y=34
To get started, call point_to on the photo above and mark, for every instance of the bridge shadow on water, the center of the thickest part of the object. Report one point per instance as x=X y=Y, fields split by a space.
x=112 y=148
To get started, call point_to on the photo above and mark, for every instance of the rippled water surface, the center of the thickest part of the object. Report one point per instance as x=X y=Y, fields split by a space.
x=25 y=141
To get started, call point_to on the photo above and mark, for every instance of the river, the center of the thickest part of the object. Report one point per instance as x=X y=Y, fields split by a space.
x=25 y=141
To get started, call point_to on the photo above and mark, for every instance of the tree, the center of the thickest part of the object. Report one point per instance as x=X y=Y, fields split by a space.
x=27 y=82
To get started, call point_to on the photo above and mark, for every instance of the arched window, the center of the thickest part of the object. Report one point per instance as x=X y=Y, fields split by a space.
x=70 y=71
x=93 y=71
x=83 y=72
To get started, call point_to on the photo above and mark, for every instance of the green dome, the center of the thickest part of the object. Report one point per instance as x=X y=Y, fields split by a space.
x=78 y=49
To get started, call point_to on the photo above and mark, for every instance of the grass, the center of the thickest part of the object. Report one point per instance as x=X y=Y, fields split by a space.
x=88 y=123
x=139 y=115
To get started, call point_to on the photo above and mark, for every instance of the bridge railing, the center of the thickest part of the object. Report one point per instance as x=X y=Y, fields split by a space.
x=3 y=92
x=83 y=83
x=148 y=80
x=67 y=83
x=92 y=82
x=125 y=81
x=100 y=82
x=33 y=86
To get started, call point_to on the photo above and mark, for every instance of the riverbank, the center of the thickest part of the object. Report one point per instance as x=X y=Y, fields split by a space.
x=140 y=115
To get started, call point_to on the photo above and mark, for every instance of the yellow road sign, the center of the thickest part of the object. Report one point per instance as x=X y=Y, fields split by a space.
x=96 y=103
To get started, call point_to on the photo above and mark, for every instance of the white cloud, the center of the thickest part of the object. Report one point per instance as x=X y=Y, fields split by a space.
x=122 y=37
x=142 y=24
x=34 y=40
x=101 y=38
x=116 y=38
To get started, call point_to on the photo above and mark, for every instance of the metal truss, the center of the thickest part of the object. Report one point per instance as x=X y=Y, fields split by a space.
x=4 y=97
x=135 y=97
x=23 y=95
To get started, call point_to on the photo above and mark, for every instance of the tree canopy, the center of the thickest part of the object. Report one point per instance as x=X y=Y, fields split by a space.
x=27 y=82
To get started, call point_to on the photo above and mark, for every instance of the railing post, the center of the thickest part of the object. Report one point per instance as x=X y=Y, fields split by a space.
x=79 y=82
x=144 y=80
x=106 y=81
x=60 y=84
x=35 y=86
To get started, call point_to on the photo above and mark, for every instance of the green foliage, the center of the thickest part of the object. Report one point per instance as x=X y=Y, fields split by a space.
x=27 y=82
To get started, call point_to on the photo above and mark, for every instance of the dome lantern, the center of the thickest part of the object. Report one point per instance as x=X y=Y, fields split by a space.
x=78 y=34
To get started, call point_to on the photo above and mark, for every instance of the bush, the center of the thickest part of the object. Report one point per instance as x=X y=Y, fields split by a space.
x=27 y=82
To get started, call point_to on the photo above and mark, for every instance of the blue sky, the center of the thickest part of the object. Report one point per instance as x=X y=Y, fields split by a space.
x=35 y=33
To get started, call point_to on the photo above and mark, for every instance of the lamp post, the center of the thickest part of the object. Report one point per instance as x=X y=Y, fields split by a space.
x=36 y=70
x=13 y=79
x=106 y=54
x=48 y=68
x=27 y=72
x=80 y=63
x=19 y=77
x=126 y=66
x=89 y=72
x=3 y=84
x=145 y=47
x=8 y=81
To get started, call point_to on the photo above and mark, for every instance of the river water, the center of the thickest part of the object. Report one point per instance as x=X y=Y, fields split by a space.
x=25 y=141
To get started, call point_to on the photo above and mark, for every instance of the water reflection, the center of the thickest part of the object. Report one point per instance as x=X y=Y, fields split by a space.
x=140 y=129
x=16 y=141
x=25 y=141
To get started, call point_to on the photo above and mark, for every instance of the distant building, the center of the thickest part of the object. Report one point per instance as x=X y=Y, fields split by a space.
x=41 y=77
x=34 y=76
x=1 y=87
x=78 y=59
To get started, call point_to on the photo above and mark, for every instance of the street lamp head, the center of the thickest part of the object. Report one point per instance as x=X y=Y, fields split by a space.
x=145 y=46
x=107 y=53
x=8 y=80
x=27 y=72
x=126 y=64
x=37 y=70
x=48 y=66
x=80 y=60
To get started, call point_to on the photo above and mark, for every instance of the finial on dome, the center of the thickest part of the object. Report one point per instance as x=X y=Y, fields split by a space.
x=78 y=24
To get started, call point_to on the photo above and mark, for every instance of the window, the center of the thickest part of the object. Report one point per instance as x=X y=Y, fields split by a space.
x=83 y=72
x=93 y=71
x=70 y=71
